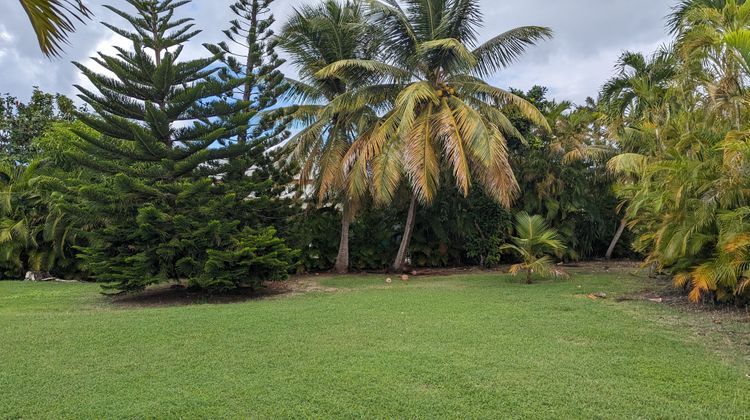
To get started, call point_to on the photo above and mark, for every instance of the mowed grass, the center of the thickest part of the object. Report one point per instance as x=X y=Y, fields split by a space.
x=456 y=347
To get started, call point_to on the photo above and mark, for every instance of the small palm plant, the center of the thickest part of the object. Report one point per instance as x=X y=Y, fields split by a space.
x=535 y=241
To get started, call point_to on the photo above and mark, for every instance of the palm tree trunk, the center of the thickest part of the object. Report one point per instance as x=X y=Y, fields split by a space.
x=615 y=240
x=342 y=259
x=398 y=265
x=737 y=116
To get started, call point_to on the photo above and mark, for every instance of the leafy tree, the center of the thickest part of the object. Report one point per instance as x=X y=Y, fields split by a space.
x=315 y=37
x=638 y=95
x=163 y=210
x=707 y=33
x=251 y=59
x=438 y=113
x=681 y=174
x=533 y=244
x=637 y=104
x=21 y=123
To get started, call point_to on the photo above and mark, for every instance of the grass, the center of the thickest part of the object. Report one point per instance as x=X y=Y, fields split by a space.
x=461 y=346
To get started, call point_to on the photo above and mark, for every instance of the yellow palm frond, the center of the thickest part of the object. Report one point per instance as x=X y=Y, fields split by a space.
x=703 y=280
x=628 y=164
x=453 y=129
x=331 y=171
x=53 y=21
x=339 y=68
x=681 y=279
x=464 y=59
x=743 y=286
x=420 y=157
x=477 y=87
x=410 y=102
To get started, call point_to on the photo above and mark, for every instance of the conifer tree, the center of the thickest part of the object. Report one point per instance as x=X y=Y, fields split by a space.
x=249 y=55
x=164 y=212
x=252 y=59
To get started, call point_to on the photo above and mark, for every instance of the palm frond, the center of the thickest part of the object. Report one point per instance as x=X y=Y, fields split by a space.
x=502 y=50
x=53 y=21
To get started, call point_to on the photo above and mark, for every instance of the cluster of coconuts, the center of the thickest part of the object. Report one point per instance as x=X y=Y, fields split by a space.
x=445 y=90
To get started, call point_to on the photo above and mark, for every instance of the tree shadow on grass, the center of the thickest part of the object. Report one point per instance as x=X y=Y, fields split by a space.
x=177 y=295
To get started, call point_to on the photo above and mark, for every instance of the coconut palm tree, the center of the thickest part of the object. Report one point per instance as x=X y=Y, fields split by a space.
x=53 y=21
x=315 y=37
x=533 y=244
x=442 y=114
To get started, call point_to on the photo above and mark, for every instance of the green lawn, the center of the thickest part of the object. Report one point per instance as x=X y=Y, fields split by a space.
x=462 y=346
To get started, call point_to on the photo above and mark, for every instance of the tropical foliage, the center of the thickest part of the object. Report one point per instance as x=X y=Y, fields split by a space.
x=680 y=118
x=315 y=37
x=389 y=149
x=440 y=119
x=533 y=244
x=22 y=123
x=54 y=20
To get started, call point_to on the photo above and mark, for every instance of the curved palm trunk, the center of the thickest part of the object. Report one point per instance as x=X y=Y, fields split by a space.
x=615 y=240
x=398 y=265
x=342 y=259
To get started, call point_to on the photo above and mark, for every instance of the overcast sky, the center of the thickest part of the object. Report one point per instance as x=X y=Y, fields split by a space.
x=589 y=36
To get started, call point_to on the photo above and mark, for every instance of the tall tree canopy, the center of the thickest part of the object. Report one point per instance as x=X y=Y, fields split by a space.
x=316 y=37
x=21 y=123
x=438 y=112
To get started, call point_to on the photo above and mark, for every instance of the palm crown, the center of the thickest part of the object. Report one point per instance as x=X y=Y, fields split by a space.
x=436 y=110
x=315 y=37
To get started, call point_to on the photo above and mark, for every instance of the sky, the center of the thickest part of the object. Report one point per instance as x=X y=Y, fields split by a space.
x=589 y=37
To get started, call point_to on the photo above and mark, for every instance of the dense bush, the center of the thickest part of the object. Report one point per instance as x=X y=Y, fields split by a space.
x=456 y=231
x=198 y=232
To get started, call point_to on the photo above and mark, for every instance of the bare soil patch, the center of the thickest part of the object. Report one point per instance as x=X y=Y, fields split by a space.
x=590 y=267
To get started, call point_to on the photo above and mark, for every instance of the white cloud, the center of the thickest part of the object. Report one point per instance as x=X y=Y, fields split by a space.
x=569 y=77
x=589 y=36
x=5 y=37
